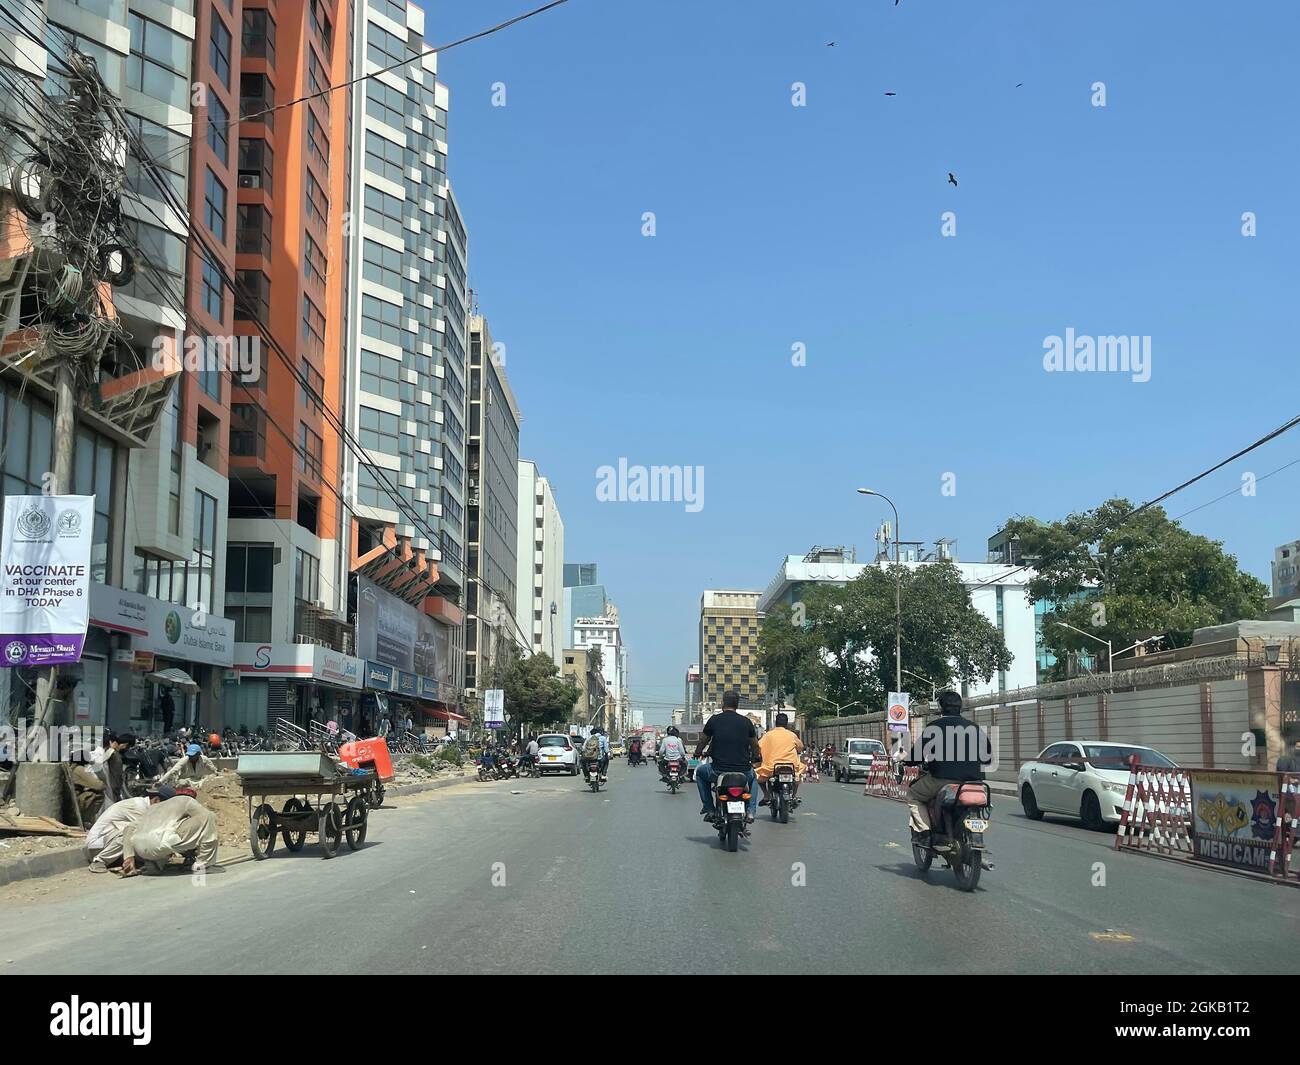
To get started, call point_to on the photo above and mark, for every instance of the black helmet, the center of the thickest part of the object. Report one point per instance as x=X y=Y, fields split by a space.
x=950 y=702
x=672 y=730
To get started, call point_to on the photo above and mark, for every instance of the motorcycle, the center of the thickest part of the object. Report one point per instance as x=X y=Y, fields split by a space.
x=507 y=767
x=593 y=775
x=673 y=776
x=634 y=758
x=959 y=817
x=730 y=798
x=780 y=790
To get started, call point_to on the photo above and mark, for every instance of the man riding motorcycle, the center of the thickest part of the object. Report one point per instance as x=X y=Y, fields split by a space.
x=733 y=743
x=948 y=751
x=596 y=754
x=779 y=745
x=672 y=750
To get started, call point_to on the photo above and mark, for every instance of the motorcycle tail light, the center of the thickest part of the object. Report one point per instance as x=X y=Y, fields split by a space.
x=737 y=793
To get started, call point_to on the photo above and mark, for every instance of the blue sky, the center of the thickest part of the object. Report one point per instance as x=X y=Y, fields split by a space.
x=820 y=225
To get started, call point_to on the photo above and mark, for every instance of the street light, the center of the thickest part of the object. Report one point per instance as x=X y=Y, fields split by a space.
x=1081 y=632
x=933 y=687
x=842 y=706
x=898 y=592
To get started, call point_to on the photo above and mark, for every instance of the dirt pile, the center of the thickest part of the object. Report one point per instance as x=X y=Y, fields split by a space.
x=419 y=769
x=223 y=796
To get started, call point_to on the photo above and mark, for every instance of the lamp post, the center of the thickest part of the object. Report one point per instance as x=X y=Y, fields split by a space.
x=933 y=688
x=842 y=706
x=898 y=592
x=1081 y=632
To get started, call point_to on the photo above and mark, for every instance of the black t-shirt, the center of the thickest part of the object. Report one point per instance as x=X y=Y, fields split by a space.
x=952 y=747
x=731 y=739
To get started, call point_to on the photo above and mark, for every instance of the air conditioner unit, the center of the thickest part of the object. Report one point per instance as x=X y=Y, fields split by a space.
x=250 y=181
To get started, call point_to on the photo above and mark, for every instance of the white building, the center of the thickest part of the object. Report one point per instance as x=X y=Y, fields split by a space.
x=605 y=633
x=540 y=581
x=997 y=591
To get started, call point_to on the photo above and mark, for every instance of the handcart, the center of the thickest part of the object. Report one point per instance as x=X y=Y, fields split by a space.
x=320 y=797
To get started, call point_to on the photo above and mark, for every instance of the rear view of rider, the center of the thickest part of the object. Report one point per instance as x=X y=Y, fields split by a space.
x=948 y=751
x=780 y=745
x=672 y=750
x=595 y=752
x=732 y=741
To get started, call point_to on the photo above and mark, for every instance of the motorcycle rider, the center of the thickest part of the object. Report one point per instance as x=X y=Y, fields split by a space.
x=596 y=753
x=529 y=758
x=949 y=750
x=779 y=744
x=730 y=738
x=672 y=750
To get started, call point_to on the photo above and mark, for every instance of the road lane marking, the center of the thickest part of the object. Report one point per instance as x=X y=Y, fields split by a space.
x=1112 y=936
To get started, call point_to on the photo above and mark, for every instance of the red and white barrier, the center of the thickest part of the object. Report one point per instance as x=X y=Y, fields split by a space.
x=1157 y=812
x=883 y=782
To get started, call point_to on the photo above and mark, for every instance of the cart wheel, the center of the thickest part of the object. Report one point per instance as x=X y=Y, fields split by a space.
x=261 y=832
x=294 y=839
x=330 y=829
x=356 y=822
x=377 y=795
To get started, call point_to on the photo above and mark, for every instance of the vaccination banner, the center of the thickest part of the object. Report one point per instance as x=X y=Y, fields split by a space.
x=45 y=579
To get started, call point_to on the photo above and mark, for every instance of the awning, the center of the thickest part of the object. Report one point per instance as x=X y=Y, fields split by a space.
x=174 y=678
x=448 y=715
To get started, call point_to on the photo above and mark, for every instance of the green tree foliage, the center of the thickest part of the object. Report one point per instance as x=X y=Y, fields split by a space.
x=843 y=651
x=534 y=693
x=1126 y=580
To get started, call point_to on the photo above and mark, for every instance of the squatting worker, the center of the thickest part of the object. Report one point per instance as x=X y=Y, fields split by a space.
x=180 y=826
x=948 y=750
x=104 y=840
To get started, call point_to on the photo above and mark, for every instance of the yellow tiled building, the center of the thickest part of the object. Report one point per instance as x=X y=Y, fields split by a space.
x=729 y=648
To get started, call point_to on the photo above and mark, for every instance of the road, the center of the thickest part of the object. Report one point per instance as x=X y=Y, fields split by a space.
x=630 y=881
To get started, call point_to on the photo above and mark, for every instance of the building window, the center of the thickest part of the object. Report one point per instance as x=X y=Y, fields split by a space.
x=320 y=22
x=253 y=230
x=311 y=387
x=214 y=205
x=313 y=260
x=219 y=51
x=381 y=320
x=159 y=62
x=382 y=265
x=384 y=157
x=203 y=559
x=310 y=451
x=256 y=99
x=213 y=291
x=250 y=588
x=380 y=375
x=258 y=34
x=218 y=128
x=318 y=204
x=384 y=49
x=380 y=431
x=313 y=326
x=255 y=158
x=247 y=435
x=306 y=576
x=253 y=299
x=386 y=104
x=318 y=143
x=177 y=461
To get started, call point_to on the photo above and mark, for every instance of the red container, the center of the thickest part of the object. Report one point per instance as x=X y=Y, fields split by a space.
x=368 y=754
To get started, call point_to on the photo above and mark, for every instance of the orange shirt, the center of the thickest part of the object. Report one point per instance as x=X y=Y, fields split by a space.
x=779 y=745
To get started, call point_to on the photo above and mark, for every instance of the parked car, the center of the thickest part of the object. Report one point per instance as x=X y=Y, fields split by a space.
x=1082 y=778
x=616 y=750
x=855 y=758
x=556 y=753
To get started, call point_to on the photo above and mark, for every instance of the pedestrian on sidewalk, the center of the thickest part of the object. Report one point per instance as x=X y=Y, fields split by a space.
x=177 y=827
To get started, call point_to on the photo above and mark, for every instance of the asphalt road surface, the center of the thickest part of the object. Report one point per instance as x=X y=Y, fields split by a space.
x=477 y=879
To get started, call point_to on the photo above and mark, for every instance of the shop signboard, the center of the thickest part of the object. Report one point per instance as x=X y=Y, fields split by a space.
x=305 y=662
x=408 y=685
x=45 y=578
x=379 y=677
x=1235 y=817
x=161 y=628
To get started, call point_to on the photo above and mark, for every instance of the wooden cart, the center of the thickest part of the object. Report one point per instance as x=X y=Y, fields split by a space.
x=319 y=797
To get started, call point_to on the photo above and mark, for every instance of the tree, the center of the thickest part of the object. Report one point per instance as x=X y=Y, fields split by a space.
x=844 y=649
x=1124 y=579
x=534 y=692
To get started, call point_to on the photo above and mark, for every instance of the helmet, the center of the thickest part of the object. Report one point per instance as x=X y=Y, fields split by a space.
x=214 y=740
x=672 y=730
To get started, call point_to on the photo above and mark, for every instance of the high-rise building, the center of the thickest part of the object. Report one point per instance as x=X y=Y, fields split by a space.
x=729 y=648
x=693 y=693
x=492 y=468
x=541 y=563
x=604 y=633
x=1286 y=570
x=406 y=333
x=148 y=445
x=578 y=668
x=584 y=595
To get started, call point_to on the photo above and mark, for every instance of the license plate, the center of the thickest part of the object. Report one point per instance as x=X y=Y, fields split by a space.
x=551 y=757
x=735 y=807
x=786 y=779
x=977 y=824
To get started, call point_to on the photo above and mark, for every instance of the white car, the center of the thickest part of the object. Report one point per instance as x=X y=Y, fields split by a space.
x=556 y=753
x=1082 y=778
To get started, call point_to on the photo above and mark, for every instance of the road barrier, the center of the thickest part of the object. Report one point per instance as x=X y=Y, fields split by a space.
x=883 y=782
x=1227 y=819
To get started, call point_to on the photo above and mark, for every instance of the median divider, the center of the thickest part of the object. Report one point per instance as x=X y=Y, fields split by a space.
x=1234 y=820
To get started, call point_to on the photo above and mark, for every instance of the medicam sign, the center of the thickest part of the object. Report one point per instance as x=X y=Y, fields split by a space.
x=45 y=579
x=1234 y=817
